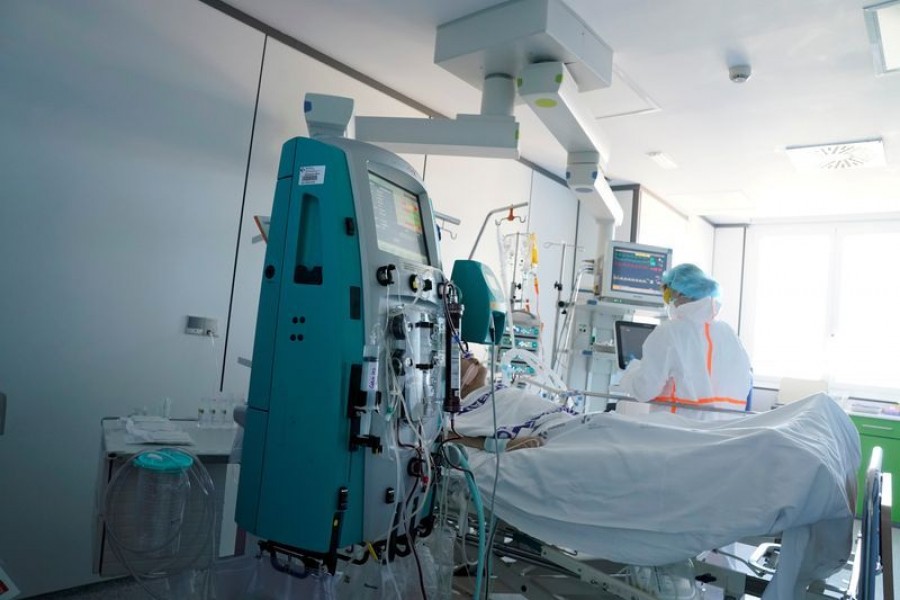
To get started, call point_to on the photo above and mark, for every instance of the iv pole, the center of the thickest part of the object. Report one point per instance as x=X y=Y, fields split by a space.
x=487 y=217
x=559 y=289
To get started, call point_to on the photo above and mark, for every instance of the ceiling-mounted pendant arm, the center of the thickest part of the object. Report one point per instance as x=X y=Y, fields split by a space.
x=498 y=96
x=492 y=134
x=326 y=115
x=545 y=52
x=584 y=178
x=550 y=91
x=467 y=135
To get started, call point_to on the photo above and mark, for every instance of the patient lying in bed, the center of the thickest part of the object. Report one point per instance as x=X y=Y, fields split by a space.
x=661 y=488
x=507 y=414
x=520 y=418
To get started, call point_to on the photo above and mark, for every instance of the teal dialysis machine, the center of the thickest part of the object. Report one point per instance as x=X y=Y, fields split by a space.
x=355 y=357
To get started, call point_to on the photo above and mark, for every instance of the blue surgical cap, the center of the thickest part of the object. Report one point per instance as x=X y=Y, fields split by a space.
x=689 y=280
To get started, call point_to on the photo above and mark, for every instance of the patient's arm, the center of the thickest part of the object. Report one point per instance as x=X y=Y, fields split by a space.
x=513 y=444
x=524 y=442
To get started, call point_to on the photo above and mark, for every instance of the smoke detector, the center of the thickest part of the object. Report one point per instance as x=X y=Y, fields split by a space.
x=844 y=155
x=739 y=73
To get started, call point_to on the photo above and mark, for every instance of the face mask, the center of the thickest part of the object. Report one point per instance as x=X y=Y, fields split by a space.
x=670 y=310
x=667 y=295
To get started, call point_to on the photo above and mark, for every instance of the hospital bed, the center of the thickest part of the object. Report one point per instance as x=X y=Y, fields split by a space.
x=541 y=556
x=538 y=571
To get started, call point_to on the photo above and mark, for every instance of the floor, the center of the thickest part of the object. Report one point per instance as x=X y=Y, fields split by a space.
x=126 y=589
x=120 y=589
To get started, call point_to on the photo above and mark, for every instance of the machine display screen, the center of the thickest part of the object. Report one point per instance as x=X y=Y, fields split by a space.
x=637 y=271
x=398 y=220
x=630 y=338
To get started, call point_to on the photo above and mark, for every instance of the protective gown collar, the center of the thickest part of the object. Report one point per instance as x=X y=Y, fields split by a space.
x=700 y=311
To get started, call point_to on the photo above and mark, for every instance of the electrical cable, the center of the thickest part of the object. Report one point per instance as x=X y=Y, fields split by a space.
x=412 y=544
x=212 y=340
x=479 y=511
x=463 y=509
x=399 y=415
x=419 y=569
x=392 y=446
x=416 y=427
x=499 y=453
x=492 y=532
x=445 y=556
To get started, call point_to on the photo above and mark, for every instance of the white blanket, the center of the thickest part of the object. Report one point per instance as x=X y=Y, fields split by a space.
x=660 y=488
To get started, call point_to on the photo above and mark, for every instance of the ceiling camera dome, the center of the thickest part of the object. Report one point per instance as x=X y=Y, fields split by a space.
x=739 y=73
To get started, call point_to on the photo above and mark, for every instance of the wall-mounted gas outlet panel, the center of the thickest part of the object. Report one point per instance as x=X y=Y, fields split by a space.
x=202 y=326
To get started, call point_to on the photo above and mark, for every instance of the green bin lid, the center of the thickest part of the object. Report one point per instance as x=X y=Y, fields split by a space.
x=166 y=460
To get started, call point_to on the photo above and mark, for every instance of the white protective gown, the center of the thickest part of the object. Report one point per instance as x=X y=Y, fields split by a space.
x=692 y=359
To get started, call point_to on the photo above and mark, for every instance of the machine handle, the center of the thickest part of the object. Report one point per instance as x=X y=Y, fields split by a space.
x=2 y=412
x=878 y=427
x=308 y=265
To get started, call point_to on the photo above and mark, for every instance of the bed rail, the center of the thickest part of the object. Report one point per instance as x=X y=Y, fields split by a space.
x=874 y=544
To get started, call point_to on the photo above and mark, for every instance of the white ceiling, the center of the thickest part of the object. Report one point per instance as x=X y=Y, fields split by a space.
x=813 y=82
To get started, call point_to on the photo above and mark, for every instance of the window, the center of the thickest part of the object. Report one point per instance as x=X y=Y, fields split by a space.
x=867 y=330
x=818 y=305
x=790 y=325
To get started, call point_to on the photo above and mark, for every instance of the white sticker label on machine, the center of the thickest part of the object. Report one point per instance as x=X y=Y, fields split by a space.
x=370 y=383
x=312 y=175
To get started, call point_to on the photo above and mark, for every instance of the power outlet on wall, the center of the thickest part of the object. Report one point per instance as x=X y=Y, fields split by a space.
x=202 y=326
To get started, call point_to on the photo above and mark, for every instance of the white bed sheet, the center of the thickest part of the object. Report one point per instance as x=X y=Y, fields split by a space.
x=660 y=488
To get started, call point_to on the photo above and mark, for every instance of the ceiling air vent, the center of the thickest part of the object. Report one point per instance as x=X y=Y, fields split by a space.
x=833 y=157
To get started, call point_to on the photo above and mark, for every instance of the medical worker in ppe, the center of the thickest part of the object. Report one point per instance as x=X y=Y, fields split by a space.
x=692 y=358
